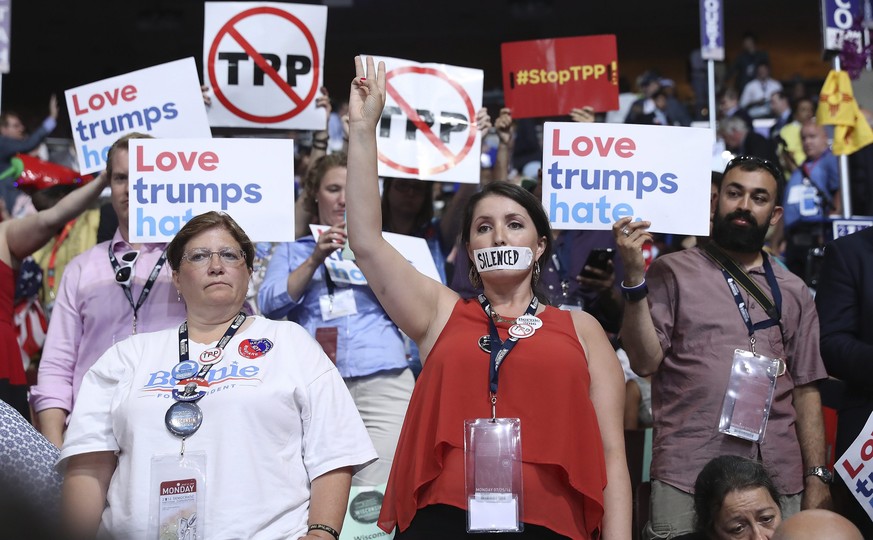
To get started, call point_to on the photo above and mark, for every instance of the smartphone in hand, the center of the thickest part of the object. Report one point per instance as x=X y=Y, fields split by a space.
x=598 y=258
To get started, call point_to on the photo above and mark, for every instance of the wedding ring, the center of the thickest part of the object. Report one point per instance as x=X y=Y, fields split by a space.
x=625 y=231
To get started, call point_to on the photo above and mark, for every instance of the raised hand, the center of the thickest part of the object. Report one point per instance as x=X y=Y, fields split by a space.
x=503 y=124
x=323 y=101
x=367 y=97
x=483 y=121
x=53 y=106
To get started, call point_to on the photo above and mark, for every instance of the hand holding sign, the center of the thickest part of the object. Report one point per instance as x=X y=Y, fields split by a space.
x=630 y=236
x=53 y=106
x=323 y=102
x=328 y=242
x=584 y=115
x=504 y=125
x=483 y=120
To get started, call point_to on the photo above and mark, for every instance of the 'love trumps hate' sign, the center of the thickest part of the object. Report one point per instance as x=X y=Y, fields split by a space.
x=596 y=174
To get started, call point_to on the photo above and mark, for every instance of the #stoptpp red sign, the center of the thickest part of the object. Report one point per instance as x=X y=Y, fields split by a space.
x=548 y=77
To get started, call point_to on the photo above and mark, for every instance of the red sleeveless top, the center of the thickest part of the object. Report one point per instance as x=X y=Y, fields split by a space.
x=11 y=365
x=544 y=381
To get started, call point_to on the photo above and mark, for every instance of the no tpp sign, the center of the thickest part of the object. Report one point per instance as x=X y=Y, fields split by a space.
x=427 y=129
x=263 y=63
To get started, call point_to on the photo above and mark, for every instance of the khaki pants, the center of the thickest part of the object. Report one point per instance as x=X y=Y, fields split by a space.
x=381 y=400
x=673 y=511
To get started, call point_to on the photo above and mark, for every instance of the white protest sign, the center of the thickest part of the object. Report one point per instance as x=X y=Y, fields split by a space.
x=173 y=180
x=427 y=130
x=596 y=174
x=413 y=248
x=263 y=62
x=5 y=30
x=855 y=469
x=163 y=101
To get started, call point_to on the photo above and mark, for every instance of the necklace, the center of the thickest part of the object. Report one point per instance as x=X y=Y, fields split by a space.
x=497 y=318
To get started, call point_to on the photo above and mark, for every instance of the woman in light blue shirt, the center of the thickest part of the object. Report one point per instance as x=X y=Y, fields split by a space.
x=312 y=283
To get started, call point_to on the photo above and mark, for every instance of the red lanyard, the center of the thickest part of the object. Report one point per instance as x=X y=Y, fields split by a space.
x=50 y=271
x=809 y=166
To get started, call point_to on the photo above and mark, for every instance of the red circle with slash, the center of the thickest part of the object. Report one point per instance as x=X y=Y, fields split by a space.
x=230 y=30
x=452 y=158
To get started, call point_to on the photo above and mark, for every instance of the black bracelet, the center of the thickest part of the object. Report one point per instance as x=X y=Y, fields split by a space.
x=319 y=145
x=635 y=293
x=329 y=530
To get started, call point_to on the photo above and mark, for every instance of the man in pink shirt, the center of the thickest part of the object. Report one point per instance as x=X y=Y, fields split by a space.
x=107 y=293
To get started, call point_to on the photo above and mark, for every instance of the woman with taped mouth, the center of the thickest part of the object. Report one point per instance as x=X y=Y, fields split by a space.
x=224 y=427
x=516 y=420
x=313 y=283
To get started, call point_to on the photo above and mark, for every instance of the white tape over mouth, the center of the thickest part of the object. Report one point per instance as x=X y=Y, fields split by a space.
x=502 y=258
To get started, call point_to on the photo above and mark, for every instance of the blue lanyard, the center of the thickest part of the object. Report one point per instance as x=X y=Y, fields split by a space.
x=498 y=356
x=147 y=288
x=228 y=335
x=741 y=304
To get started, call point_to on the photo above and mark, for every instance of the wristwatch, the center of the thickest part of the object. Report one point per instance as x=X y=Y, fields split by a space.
x=821 y=472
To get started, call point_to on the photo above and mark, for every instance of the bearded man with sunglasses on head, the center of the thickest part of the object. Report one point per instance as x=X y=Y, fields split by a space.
x=731 y=339
x=107 y=293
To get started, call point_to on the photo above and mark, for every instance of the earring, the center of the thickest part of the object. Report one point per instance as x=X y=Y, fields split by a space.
x=475 y=278
x=178 y=295
x=536 y=272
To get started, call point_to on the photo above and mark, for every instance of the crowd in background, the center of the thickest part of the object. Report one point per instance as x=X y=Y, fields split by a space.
x=757 y=116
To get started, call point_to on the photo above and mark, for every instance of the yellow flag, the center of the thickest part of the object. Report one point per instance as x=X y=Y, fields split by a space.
x=837 y=107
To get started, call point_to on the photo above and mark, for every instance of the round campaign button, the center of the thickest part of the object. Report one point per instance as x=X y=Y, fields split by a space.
x=211 y=356
x=190 y=389
x=183 y=418
x=531 y=320
x=485 y=343
x=520 y=331
x=254 y=348
x=364 y=508
x=185 y=370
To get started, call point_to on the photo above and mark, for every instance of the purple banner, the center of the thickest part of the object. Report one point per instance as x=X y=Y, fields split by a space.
x=836 y=23
x=5 y=32
x=712 y=29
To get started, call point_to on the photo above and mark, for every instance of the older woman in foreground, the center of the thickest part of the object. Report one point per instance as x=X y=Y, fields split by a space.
x=225 y=427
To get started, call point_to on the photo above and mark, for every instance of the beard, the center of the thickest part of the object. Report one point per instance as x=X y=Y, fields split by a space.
x=743 y=239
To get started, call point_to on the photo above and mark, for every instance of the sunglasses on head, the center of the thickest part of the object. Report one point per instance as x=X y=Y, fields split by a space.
x=770 y=167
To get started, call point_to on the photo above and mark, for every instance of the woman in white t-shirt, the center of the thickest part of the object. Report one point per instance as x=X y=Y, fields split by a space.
x=226 y=427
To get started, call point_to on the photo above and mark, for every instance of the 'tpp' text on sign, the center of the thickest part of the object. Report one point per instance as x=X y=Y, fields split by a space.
x=427 y=130
x=596 y=174
x=173 y=180
x=263 y=62
x=163 y=101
